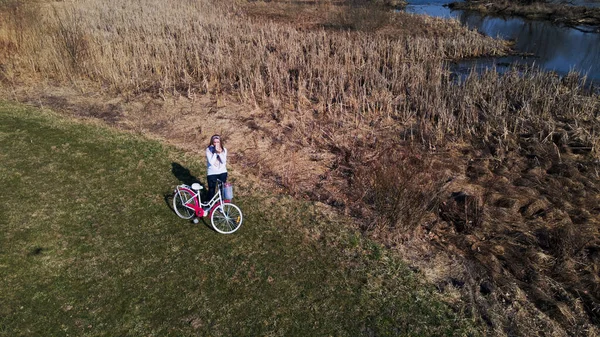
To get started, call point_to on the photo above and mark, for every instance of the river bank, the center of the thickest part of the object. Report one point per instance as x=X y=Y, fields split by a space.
x=580 y=17
x=537 y=44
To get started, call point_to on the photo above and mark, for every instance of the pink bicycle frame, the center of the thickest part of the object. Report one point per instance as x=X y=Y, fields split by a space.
x=196 y=205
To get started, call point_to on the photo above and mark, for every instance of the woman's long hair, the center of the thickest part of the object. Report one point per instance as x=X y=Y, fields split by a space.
x=213 y=138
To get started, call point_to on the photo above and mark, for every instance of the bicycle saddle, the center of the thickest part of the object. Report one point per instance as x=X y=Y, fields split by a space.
x=196 y=186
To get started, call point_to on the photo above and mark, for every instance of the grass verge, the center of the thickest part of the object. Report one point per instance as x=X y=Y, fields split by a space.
x=90 y=247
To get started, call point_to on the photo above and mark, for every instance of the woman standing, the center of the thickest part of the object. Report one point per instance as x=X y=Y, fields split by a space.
x=216 y=163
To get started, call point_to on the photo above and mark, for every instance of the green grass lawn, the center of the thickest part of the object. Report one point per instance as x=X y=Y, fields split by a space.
x=90 y=247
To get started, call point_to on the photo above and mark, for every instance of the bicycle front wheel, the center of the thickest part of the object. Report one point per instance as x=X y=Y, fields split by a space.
x=226 y=218
x=181 y=200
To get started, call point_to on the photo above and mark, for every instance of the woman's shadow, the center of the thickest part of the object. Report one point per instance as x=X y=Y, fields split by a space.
x=183 y=174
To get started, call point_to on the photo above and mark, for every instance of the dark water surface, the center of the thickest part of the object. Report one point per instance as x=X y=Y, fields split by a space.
x=554 y=48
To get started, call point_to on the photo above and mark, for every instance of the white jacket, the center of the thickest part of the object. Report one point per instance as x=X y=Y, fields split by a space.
x=213 y=164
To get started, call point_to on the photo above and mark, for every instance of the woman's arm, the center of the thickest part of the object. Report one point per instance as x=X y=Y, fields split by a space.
x=216 y=159
x=223 y=156
x=211 y=157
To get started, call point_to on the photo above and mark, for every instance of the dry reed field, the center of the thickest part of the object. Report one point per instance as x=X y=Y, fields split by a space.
x=489 y=184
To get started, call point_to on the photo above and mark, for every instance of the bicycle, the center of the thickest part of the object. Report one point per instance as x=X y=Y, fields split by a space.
x=225 y=217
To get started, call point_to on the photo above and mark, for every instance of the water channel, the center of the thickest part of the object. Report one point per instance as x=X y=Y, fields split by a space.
x=553 y=48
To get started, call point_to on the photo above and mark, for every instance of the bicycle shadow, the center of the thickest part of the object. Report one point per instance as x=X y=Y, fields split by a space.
x=184 y=176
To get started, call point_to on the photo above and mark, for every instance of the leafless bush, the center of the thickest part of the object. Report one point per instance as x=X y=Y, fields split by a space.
x=401 y=188
x=69 y=30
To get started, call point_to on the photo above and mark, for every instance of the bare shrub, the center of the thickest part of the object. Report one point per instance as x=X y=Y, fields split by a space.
x=71 y=34
x=401 y=188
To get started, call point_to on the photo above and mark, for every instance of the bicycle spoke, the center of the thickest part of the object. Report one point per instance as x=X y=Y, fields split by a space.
x=188 y=202
x=181 y=204
x=226 y=218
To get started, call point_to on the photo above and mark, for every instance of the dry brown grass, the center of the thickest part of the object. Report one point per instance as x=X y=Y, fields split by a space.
x=197 y=46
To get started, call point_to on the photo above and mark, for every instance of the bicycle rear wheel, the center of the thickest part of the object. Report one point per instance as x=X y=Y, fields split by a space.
x=180 y=200
x=226 y=218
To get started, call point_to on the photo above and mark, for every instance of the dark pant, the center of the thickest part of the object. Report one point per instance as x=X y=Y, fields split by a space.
x=212 y=183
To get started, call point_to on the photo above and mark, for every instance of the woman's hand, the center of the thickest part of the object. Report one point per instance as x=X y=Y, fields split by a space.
x=218 y=148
